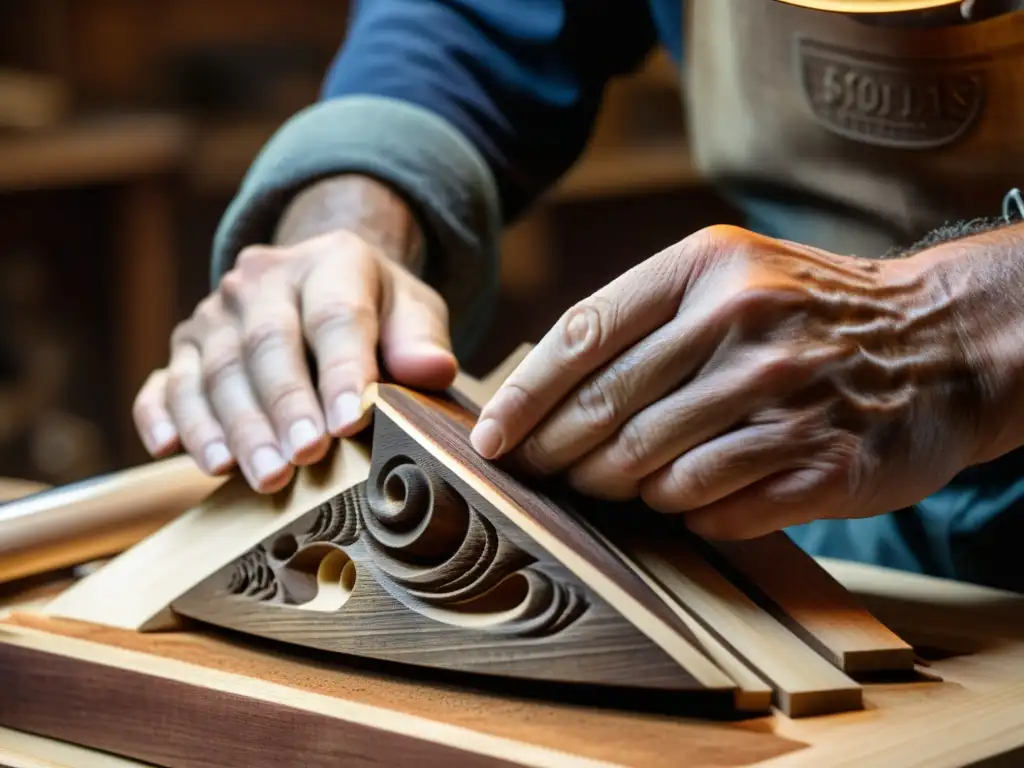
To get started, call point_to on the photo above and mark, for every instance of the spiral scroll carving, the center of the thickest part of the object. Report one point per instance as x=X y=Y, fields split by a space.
x=253 y=576
x=432 y=551
x=339 y=520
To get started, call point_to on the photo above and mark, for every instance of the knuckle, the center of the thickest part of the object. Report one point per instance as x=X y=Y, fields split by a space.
x=338 y=315
x=209 y=311
x=287 y=398
x=691 y=483
x=631 y=452
x=248 y=431
x=584 y=327
x=267 y=336
x=195 y=434
x=232 y=285
x=180 y=384
x=182 y=333
x=338 y=376
x=774 y=365
x=536 y=454
x=150 y=396
x=220 y=365
x=599 y=401
x=256 y=258
x=519 y=398
x=717 y=240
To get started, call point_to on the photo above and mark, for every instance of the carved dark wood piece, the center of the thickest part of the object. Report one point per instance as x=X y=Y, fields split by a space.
x=442 y=559
x=417 y=567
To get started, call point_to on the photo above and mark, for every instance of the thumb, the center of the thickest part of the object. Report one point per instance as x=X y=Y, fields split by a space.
x=415 y=341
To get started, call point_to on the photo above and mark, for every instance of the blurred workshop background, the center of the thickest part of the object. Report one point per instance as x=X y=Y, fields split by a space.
x=125 y=128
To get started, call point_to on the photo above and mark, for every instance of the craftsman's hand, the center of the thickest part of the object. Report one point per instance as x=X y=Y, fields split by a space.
x=750 y=383
x=238 y=389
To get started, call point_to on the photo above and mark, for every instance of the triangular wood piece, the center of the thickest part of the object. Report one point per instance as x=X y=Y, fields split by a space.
x=443 y=560
x=134 y=591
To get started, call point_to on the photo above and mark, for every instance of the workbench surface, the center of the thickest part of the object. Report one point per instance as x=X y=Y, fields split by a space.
x=966 y=702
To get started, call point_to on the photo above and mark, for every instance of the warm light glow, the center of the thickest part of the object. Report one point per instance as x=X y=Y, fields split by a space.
x=871 y=6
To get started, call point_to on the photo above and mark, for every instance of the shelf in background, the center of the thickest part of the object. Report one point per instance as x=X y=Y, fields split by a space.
x=93 y=151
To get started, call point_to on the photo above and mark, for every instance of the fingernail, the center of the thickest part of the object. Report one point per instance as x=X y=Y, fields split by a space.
x=267 y=462
x=430 y=348
x=487 y=438
x=347 y=410
x=216 y=457
x=161 y=434
x=302 y=434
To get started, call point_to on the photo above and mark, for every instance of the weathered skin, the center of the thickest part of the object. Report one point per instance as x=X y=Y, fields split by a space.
x=756 y=384
x=341 y=278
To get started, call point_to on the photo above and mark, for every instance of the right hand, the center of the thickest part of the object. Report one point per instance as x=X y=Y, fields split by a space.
x=237 y=390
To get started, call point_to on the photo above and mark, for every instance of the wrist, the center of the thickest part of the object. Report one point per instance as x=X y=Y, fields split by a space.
x=979 y=284
x=358 y=204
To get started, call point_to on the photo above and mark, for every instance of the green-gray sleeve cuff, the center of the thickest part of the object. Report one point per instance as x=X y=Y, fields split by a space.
x=415 y=151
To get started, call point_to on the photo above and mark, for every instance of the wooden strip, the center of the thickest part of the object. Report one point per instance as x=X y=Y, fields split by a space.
x=25 y=750
x=68 y=525
x=446 y=435
x=801 y=594
x=181 y=721
x=805 y=684
x=918 y=605
x=134 y=591
x=753 y=694
x=367 y=709
x=968 y=730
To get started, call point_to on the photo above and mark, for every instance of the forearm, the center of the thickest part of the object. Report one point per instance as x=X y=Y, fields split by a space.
x=359 y=204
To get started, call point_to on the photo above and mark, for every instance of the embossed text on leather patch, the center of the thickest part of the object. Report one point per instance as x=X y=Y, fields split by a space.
x=911 y=104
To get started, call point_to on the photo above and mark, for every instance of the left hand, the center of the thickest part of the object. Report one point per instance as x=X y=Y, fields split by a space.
x=750 y=383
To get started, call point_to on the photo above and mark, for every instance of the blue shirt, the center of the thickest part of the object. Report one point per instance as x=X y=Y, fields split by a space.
x=522 y=80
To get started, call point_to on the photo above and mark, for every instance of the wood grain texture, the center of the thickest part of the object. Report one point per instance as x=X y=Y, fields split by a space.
x=968 y=730
x=516 y=726
x=444 y=430
x=804 y=683
x=135 y=590
x=986 y=655
x=797 y=591
x=418 y=567
x=184 y=723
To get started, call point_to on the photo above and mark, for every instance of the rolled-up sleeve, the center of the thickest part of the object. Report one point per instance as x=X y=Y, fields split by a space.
x=468 y=108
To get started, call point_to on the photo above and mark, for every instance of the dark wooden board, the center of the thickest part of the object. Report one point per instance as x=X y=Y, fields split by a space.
x=129 y=696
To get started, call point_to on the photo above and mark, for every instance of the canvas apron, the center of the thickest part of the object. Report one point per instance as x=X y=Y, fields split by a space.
x=860 y=136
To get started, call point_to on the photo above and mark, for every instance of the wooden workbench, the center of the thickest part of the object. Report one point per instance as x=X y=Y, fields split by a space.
x=180 y=690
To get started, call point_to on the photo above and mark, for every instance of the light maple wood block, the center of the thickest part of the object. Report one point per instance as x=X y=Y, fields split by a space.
x=134 y=591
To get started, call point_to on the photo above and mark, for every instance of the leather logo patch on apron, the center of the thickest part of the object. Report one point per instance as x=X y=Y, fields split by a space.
x=890 y=102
